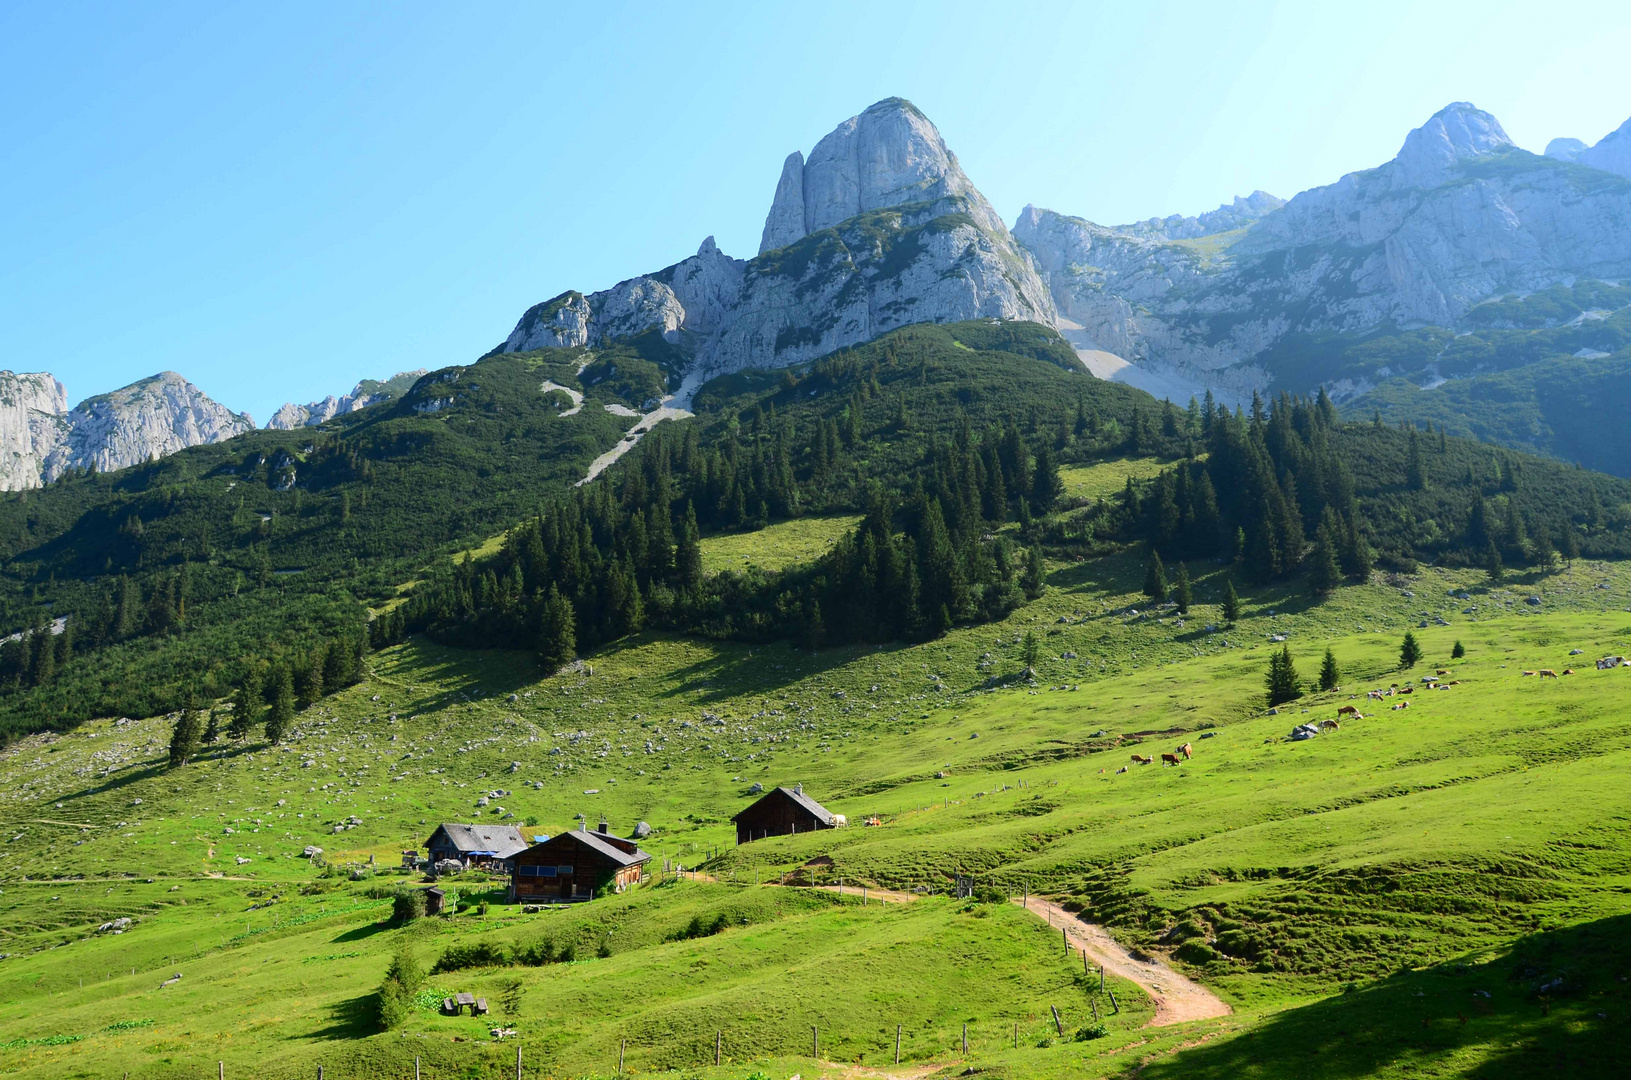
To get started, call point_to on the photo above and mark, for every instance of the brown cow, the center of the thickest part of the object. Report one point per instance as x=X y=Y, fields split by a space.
x=1527 y=673
x=1137 y=760
x=1547 y=673
x=1331 y=725
x=1187 y=751
x=1442 y=671
x=1568 y=671
x=1169 y=759
x=1347 y=710
x=1408 y=690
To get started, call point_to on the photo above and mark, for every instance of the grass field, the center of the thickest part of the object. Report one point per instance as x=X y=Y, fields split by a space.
x=1441 y=890
x=1108 y=478
x=777 y=546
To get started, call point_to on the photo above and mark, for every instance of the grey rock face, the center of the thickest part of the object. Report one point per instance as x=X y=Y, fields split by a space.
x=40 y=438
x=1458 y=216
x=366 y=393
x=889 y=155
x=1226 y=218
x=1565 y=149
x=878 y=229
x=32 y=408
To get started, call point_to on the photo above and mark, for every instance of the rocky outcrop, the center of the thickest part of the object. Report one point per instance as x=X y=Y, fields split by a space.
x=366 y=393
x=1226 y=218
x=1612 y=153
x=144 y=421
x=878 y=228
x=31 y=423
x=1565 y=149
x=1458 y=216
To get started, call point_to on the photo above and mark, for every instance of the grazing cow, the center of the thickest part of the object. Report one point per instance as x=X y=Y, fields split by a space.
x=1347 y=710
x=1121 y=770
x=1568 y=671
x=1441 y=671
x=1187 y=751
x=1140 y=760
x=1331 y=725
x=1547 y=673
x=1169 y=759
x=1453 y=682
x=1408 y=690
x=1528 y=673
x=1401 y=705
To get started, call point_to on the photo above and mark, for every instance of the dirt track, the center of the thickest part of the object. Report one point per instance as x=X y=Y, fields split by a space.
x=1177 y=999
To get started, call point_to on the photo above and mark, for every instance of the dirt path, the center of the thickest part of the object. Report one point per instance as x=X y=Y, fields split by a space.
x=1177 y=999
x=887 y=896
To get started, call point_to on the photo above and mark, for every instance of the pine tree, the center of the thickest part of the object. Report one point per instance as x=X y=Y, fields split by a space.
x=247 y=704
x=1324 y=575
x=1492 y=562
x=1032 y=580
x=1571 y=545
x=1044 y=481
x=1409 y=651
x=282 y=712
x=1231 y=602
x=1415 y=477
x=1030 y=650
x=212 y=727
x=185 y=737
x=688 y=552
x=1283 y=683
x=1458 y=651
x=557 y=634
x=1330 y=674
x=1155 y=578
x=1183 y=593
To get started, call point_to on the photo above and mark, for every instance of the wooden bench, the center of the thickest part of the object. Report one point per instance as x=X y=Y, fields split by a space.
x=479 y=1007
x=449 y=1005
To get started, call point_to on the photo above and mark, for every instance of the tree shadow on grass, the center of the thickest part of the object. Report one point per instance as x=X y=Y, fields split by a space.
x=1552 y=1003
x=365 y=931
x=353 y=1018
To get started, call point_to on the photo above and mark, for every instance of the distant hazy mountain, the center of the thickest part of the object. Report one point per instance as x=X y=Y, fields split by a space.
x=366 y=393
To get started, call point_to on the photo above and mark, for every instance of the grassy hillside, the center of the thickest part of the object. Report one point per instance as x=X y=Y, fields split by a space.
x=1359 y=893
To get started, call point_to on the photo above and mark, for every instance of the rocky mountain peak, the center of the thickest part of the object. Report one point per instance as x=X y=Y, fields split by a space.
x=1455 y=133
x=366 y=393
x=1564 y=149
x=1612 y=153
x=888 y=155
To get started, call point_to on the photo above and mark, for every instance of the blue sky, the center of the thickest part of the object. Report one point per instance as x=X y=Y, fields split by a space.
x=278 y=200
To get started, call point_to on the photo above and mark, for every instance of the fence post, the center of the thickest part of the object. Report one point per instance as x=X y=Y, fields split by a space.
x=1113 y=1001
x=965 y=1040
x=415 y=1069
x=1058 y=1024
x=517 y=1061
x=221 y=1070
x=815 y=1042
x=1087 y=969
x=897 y=1044
x=1064 y=935
x=719 y=1044
x=319 y=1072
x=1016 y=1034
x=1101 y=978
x=1094 y=1005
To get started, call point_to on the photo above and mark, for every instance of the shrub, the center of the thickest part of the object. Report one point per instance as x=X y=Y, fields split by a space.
x=407 y=905
x=536 y=954
x=395 y=996
x=474 y=954
x=1088 y=1034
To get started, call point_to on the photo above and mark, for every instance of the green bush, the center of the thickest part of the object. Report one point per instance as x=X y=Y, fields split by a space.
x=1088 y=1034
x=475 y=954
x=408 y=905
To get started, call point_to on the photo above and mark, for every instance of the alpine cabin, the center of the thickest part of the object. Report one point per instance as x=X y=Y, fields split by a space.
x=474 y=845
x=782 y=812
x=575 y=866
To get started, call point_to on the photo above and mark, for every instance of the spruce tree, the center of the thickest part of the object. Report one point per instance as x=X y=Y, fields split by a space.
x=1030 y=651
x=282 y=711
x=1231 y=602
x=1323 y=572
x=557 y=634
x=1032 y=579
x=1409 y=651
x=1183 y=593
x=1283 y=683
x=186 y=737
x=1045 y=481
x=1415 y=476
x=1458 y=651
x=1155 y=578
x=212 y=727
x=1330 y=674
x=247 y=704
x=1492 y=562
x=688 y=552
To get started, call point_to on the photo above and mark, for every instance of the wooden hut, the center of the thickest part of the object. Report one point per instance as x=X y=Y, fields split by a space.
x=474 y=845
x=575 y=865
x=782 y=812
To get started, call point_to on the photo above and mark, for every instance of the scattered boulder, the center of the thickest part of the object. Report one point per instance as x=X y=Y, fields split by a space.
x=756 y=788
x=114 y=926
x=312 y=851
x=641 y=830
x=240 y=860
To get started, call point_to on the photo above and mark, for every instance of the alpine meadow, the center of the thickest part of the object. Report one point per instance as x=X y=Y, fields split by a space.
x=578 y=708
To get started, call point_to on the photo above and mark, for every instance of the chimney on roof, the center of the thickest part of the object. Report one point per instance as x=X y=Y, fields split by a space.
x=604 y=828
x=583 y=824
x=798 y=789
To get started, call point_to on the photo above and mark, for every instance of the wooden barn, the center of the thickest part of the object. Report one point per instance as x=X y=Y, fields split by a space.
x=782 y=812
x=575 y=866
x=474 y=845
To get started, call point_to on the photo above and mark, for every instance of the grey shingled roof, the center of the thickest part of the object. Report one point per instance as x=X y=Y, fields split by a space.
x=821 y=813
x=501 y=840
x=597 y=842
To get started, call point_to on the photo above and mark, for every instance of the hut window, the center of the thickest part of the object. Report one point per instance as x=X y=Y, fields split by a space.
x=544 y=871
x=566 y=871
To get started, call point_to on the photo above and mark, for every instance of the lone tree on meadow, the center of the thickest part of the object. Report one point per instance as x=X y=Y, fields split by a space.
x=282 y=713
x=1492 y=563
x=1030 y=651
x=187 y=736
x=1330 y=674
x=1231 y=602
x=246 y=705
x=1183 y=593
x=1155 y=578
x=1409 y=651
x=1459 y=651
x=1283 y=683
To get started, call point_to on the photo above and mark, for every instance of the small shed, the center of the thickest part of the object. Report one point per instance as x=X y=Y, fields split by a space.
x=474 y=845
x=575 y=865
x=782 y=811
x=435 y=901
